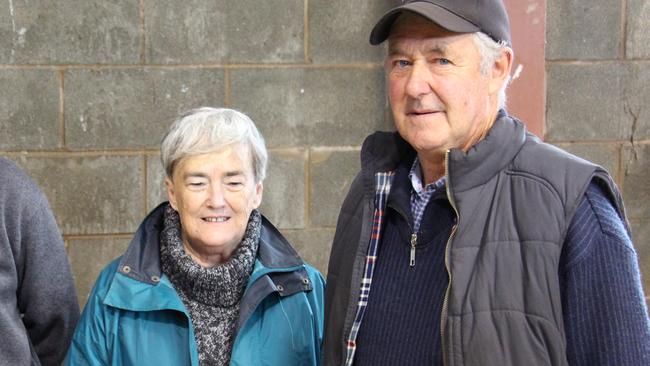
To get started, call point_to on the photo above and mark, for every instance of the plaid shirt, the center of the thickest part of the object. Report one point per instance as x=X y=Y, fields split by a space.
x=383 y=182
x=420 y=195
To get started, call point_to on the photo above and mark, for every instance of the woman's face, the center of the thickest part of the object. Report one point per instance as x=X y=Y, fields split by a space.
x=214 y=195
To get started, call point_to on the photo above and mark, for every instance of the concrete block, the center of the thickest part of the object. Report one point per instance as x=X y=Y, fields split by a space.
x=636 y=98
x=313 y=245
x=283 y=200
x=156 y=191
x=133 y=108
x=583 y=103
x=244 y=31
x=582 y=30
x=88 y=257
x=641 y=238
x=638 y=23
x=30 y=109
x=605 y=155
x=91 y=194
x=323 y=107
x=70 y=32
x=331 y=173
x=339 y=30
x=636 y=180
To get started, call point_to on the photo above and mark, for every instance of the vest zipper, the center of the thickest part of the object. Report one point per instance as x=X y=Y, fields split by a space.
x=414 y=242
x=443 y=313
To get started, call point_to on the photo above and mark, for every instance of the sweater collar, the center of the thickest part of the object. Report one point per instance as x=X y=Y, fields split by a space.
x=141 y=261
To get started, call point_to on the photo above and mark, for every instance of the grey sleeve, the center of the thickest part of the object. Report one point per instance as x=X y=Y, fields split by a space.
x=46 y=295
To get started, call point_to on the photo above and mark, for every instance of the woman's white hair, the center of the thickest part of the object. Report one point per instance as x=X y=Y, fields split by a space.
x=490 y=51
x=205 y=130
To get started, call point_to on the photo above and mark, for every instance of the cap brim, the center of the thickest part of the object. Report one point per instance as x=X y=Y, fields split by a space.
x=434 y=13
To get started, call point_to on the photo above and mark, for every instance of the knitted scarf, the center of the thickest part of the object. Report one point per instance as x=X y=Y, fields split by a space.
x=211 y=295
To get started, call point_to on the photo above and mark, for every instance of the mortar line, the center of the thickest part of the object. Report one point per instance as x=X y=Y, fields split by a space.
x=596 y=62
x=227 y=98
x=62 y=141
x=100 y=67
x=145 y=197
x=71 y=153
x=623 y=46
x=619 y=172
x=306 y=32
x=307 y=198
x=143 y=36
x=97 y=236
x=586 y=142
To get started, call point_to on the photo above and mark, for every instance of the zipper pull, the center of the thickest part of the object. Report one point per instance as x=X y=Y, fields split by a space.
x=414 y=241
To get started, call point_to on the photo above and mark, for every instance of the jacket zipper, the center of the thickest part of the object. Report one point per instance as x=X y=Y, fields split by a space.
x=414 y=236
x=443 y=313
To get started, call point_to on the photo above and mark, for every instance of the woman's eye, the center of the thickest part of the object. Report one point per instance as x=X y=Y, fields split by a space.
x=443 y=61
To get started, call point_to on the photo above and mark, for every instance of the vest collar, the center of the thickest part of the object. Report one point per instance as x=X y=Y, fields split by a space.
x=489 y=156
x=383 y=151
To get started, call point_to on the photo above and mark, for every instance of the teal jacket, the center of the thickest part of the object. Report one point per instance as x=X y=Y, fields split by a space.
x=135 y=317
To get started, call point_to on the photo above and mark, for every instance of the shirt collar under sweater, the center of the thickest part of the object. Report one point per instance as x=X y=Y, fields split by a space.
x=222 y=285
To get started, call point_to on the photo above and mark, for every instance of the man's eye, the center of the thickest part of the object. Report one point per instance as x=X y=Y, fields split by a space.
x=235 y=184
x=197 y=184
x=401 y=63
x=443 y=61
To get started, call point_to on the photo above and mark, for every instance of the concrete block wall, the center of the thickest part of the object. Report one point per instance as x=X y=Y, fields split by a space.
x=90 y=87
x=598 y=93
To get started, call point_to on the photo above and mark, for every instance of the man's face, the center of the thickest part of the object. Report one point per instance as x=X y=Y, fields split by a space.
x=439 y=97
x=214 y=195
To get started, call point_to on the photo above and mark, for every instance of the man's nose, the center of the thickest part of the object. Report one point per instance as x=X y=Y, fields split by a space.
x=419 y=81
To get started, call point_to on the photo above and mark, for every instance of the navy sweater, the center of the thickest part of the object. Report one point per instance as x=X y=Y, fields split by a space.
x=605 y=314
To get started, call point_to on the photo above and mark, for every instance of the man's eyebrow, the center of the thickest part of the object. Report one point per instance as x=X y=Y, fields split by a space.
x=437 y=47
x=440 y=47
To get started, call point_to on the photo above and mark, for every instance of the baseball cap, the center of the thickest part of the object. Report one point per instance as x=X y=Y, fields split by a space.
x=460 y=16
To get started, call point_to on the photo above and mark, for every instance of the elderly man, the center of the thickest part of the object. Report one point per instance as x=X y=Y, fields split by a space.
x=464 y=240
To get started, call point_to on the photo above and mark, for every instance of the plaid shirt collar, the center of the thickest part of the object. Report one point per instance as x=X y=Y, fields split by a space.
x=420 y=195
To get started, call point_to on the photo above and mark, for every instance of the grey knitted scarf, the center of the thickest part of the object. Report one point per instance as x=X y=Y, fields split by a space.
x=211 y=295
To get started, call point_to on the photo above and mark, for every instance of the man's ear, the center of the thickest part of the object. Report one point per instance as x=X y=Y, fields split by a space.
x=501 y=70
x=171 y=194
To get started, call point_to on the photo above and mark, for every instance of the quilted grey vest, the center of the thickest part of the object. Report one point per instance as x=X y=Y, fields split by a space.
x=514 y=197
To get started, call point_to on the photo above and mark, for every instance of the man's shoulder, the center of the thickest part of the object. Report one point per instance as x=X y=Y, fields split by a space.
x=12 y=177
x=604 y=210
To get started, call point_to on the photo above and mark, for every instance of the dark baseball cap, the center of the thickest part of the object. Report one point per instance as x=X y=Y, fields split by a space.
x=460 y=16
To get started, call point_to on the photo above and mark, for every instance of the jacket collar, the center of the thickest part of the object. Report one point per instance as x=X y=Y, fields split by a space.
x=143 y=286
x=383 y=151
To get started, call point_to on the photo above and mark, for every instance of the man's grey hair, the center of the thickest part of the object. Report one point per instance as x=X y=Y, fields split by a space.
x=205 y=130
x=490 y=51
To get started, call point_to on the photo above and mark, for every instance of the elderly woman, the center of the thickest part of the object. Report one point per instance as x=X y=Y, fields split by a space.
x=206 y=280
